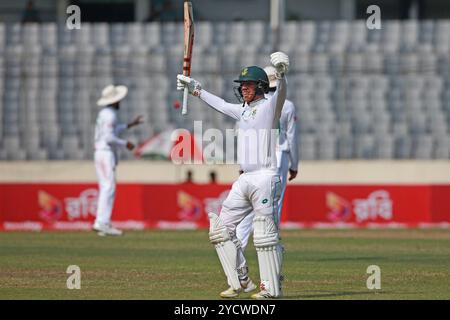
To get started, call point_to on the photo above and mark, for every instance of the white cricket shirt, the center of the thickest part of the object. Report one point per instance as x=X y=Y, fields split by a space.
x=108 y=129
x=258 y=125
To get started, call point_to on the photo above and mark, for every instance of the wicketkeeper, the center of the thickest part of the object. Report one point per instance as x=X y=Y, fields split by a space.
x=258 y=188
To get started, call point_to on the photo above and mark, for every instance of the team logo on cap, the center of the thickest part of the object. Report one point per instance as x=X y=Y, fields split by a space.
x=244 y=72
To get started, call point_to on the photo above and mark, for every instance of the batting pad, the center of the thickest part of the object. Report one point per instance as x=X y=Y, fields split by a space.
x=269 y=253
x=225 y=248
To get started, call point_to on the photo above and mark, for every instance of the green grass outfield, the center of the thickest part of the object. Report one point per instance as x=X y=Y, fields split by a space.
x=319 y=264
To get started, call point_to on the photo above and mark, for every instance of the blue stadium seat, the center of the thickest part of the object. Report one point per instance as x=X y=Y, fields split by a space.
x=359 y=94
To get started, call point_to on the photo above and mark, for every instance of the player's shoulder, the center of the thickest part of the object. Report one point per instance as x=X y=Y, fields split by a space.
x=107 y=113
x=288 y=106
x=289 y=103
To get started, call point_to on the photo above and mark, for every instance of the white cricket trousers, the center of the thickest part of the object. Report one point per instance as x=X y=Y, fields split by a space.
x=245 y=227
x=254 y=193
x=105 y=166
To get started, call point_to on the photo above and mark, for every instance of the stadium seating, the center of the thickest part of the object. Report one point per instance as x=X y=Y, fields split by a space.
x=359 y=93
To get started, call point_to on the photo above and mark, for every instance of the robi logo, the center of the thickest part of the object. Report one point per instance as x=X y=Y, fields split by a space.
x=377 y=205
x=81 y=207
x=191 y=208
x=340 y=208
x=51 y=207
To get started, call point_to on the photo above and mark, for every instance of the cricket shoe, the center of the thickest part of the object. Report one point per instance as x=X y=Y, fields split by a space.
x=246 y=286
x=106 y=230
x=263 y=294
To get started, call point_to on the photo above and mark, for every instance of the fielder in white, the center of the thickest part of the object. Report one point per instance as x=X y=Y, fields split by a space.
x=287 y=158
x=107 y=142
x=258 y=188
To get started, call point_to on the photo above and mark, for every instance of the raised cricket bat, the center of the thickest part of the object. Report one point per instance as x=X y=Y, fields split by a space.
x=188 y=44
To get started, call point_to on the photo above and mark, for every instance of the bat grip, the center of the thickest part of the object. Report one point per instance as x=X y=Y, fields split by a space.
x=185 y=98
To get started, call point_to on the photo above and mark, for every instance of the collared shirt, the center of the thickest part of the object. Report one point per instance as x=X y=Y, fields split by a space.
x=108 y=129
x=258 y=125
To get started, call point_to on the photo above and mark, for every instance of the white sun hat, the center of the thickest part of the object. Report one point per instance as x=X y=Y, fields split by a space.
x=112 y=94
x=272 y=75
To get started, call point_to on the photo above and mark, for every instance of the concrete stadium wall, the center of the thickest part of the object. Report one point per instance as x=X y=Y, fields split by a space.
x=313 y=172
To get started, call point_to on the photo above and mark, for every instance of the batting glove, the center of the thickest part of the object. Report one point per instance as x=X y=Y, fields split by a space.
x=280 y=61
x=194 y=87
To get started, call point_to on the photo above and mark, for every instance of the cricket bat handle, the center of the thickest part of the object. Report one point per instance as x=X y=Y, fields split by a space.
x=185 y=99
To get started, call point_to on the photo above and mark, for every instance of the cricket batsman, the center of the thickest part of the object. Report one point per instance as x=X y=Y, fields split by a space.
x=258 y=188
x=107 y=142
x=287 y=158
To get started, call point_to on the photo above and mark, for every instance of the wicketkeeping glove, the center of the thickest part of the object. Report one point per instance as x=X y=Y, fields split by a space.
x=280 y=61
x=194 y=87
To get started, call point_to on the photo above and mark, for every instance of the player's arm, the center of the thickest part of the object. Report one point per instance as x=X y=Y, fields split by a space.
x=280 y=61
x=195 y=88
x=111 y=137
x=291 y=134
x=229 y=109
x=121 y=127
x=137 y=121
x=279 y=97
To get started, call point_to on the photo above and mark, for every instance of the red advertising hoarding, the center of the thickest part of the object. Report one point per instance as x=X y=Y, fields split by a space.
x=440 y=203
x=73 y=206
x=358 y=204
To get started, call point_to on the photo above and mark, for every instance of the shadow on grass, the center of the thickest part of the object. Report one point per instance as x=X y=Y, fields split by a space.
x=333 y=294
x=365 y=294
x=347 y=259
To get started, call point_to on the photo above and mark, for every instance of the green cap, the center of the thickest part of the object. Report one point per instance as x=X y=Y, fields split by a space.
x=253 y=73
